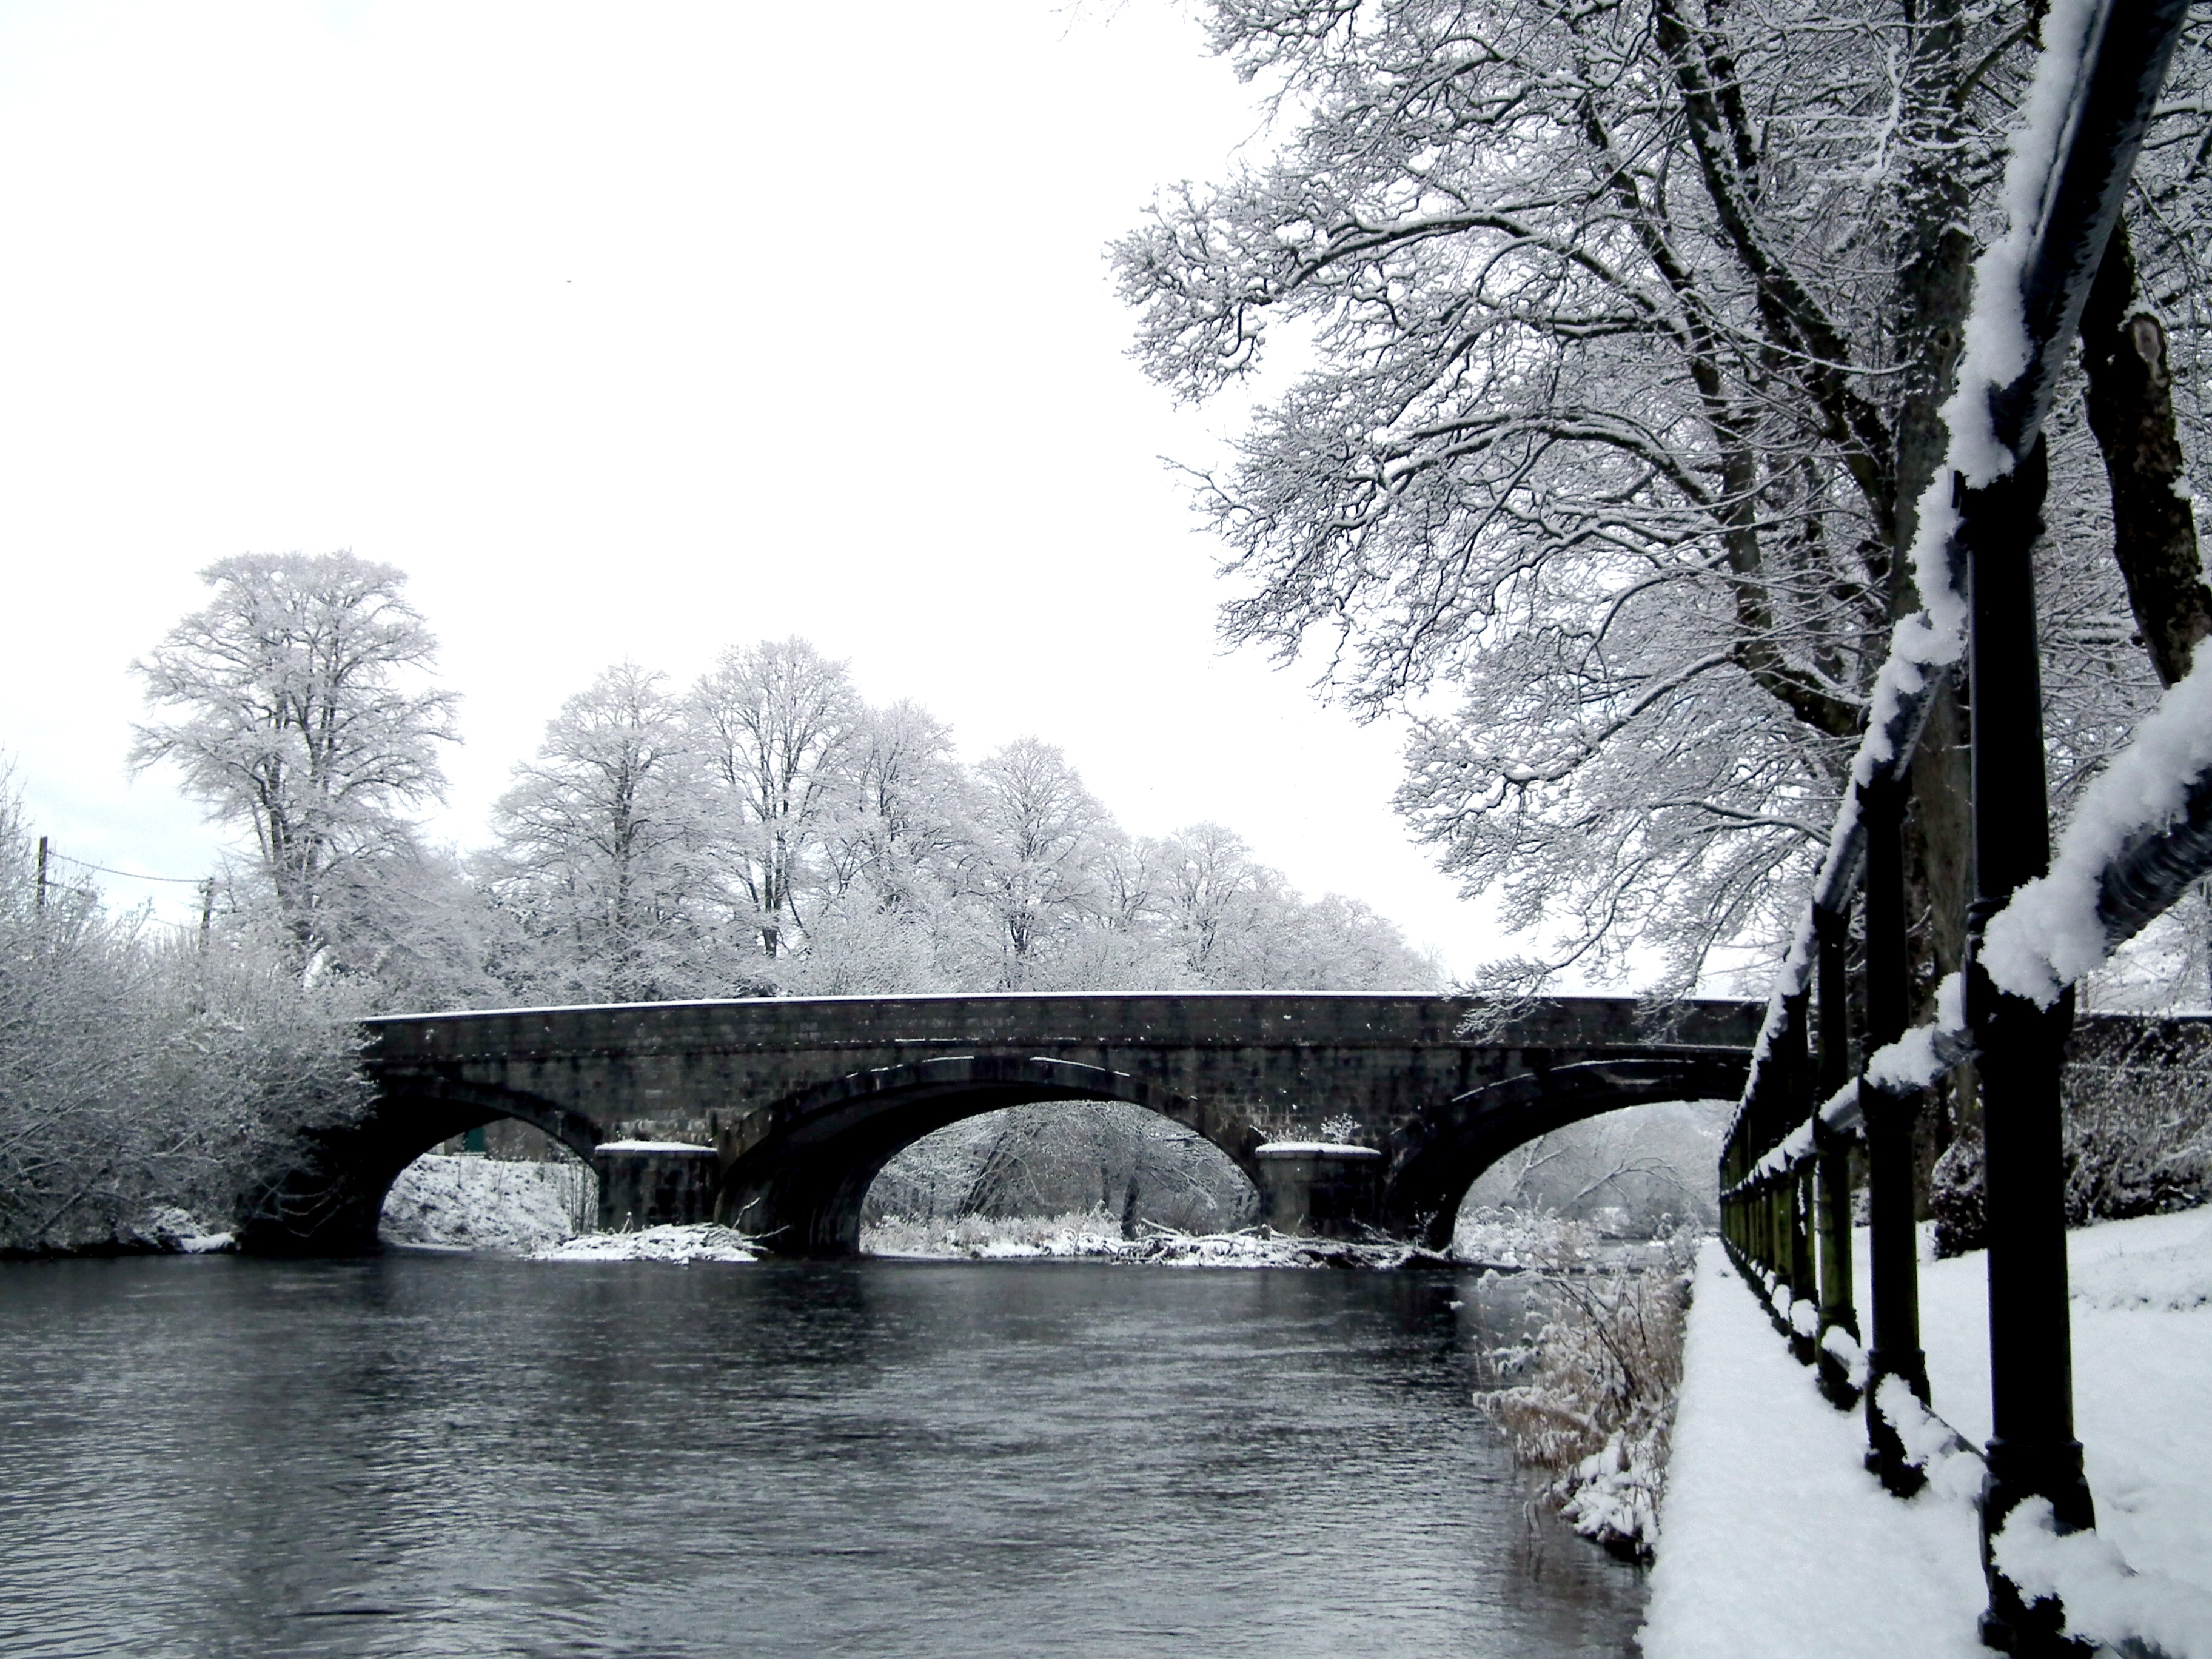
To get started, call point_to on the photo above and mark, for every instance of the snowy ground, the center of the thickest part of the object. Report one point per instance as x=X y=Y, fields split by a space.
x=1774 y=1541
x=533 y=1210
x=484 y=1204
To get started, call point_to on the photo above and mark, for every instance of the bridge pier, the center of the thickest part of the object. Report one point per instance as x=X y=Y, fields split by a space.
x=653 y=1183
x=1320 y=1187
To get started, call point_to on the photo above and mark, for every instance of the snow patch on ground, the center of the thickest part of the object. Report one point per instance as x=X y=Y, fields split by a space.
x=2143 y=1379
x=2157 y=1261
x=702 y=1241
x=653 y=1146
x=1772 y=1538
x=1315 y=1149
x=2105 y=1599
x=170 y=1229
x=484 y=1204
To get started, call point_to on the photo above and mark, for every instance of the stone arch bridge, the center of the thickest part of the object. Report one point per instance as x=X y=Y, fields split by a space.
x=803 y=1101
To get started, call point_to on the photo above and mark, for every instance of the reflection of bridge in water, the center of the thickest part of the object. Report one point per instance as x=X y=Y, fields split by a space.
x=802 y=1102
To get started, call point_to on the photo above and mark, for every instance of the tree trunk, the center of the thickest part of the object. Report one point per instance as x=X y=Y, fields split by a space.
x=1935 y=286
x=1935 y=277
x=2131 y=407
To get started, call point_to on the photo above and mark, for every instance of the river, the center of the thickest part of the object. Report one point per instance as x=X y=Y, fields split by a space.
x=415 y=1454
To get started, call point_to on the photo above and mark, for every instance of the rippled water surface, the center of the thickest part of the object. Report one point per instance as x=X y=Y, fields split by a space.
x=422 y=1454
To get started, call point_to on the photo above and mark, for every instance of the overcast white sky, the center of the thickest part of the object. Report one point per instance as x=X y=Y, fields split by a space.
x=638 y=330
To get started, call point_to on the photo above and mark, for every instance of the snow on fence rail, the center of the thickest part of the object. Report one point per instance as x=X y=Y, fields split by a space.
x=2141 y=834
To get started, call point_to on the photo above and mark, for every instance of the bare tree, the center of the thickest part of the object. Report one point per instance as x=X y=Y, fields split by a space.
x=303 y=718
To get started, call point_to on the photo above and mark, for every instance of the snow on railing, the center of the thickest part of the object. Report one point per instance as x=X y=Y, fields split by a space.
x=2107 y=1601
x=2058 y=929
x=2141 y=835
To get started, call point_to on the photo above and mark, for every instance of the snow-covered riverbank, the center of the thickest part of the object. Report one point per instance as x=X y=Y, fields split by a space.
x=1774 y=1540
x=486 y=1204
x=1093 y=1235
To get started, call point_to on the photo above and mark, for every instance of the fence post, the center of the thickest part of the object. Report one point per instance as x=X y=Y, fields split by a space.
x=1832 y=1177
x=1803 y=1280
x=2032 y=1452
x=1893 y=1242
x=1795 y=1105
x=1767 y=1213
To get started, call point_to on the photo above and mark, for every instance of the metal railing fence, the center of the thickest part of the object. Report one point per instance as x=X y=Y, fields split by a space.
x=1787 y=1171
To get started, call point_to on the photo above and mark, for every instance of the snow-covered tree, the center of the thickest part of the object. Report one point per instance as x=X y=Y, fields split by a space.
x=1234 y=924
x=1628 y=325
x=302 y=713
x=601 y=851
x=781 y=732
x=900 y=837
x=1032 y=856
x=1204 y=884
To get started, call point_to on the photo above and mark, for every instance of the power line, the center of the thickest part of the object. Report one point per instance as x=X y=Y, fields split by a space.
x=85 y=864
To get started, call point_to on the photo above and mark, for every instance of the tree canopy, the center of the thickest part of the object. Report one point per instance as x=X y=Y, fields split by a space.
x=1626 y=327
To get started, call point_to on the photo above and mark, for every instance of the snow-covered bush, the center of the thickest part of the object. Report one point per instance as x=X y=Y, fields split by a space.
x=1954 y=1196
x=977 y=1234
x=2138 y=1118
x=142 y=1072
x=2138 y=1130
x=1505 y=1237
x=1594 y=1415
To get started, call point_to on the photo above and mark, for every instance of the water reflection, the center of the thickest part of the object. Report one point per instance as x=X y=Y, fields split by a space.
x=445 y=1455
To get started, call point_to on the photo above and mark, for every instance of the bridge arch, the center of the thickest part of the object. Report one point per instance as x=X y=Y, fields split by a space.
x=1430 y=1177
x=332 y=1198
x=796 y=1171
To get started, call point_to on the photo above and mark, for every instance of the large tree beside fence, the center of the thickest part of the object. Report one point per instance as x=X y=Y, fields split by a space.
x=1627 y=326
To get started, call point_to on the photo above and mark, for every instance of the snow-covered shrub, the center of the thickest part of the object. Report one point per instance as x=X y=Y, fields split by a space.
x=2138 y=1118
x=1596 y=1412
x=2137 y=1094
x=142 y=1072
x=978 y=1235
x=1508 y=1237
x=1096 y=1236
x=1658 y=1163
x=1954 y=1196
x=1059 y=1157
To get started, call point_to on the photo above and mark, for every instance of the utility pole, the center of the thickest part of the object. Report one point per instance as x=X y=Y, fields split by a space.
x=42 y=876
